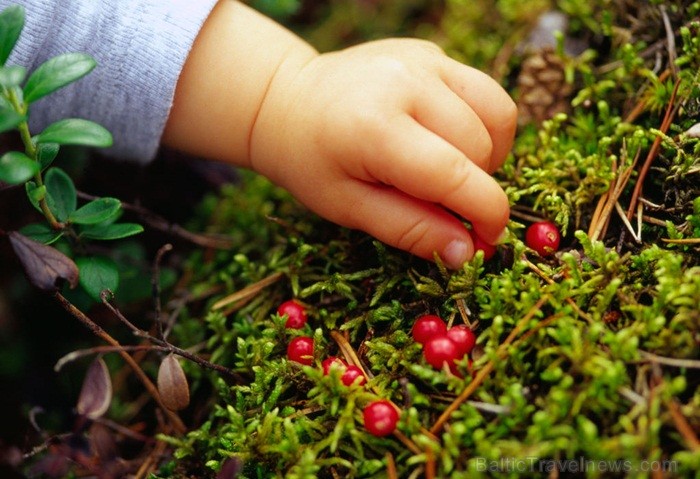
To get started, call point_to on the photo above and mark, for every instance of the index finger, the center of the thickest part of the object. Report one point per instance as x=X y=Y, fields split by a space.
x=490 y=102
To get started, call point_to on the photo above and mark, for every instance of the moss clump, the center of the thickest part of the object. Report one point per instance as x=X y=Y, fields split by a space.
x=590 y=356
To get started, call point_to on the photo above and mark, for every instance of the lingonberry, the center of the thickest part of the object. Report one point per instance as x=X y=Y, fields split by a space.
x=488 y=249
x=351 y=375
x=428 y=326
x=295 y=312
x=543 y=237
x=380 y=418
x=463 y=337
x=440 y=350
x=301 y=350
x=329 y=362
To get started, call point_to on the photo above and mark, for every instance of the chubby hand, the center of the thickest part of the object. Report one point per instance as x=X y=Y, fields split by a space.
x=393 y=138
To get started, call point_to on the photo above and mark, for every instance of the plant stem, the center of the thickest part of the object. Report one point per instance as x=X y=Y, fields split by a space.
x=31 y=152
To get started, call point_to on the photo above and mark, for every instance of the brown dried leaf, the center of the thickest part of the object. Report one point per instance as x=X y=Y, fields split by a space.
x=44 y=265
x=96 y=393
x=172 y=384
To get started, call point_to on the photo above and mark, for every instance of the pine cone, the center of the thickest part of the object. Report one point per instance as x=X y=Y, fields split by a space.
x=543 y=90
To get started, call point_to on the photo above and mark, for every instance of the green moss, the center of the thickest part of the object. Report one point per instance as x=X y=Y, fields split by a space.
x=598 y=373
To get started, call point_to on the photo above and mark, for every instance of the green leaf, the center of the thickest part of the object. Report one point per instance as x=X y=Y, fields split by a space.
x=62 y=197
x=55 y=73
x=16 y=168
x=9 y=119
x=46 y=153
x=112 y=232
x=11 y=24
x=41 y=232
x=97 y=211
x=35 y=194
x=97 y=274
x=12 y=76
x=76 y=131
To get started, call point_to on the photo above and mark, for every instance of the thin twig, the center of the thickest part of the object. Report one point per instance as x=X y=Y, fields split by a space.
x=248 y=291
x=175 y=420
x=81 y=353
x=161 y=224
x=155 y=287
x=674 y=362
x=170 y=347
x=391 y=472
x=665 y=124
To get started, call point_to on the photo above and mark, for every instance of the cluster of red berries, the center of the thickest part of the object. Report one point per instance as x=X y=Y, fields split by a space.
x=442 y=345
x=381 y=416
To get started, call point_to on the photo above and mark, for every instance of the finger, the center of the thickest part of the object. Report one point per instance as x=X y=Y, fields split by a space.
x=446 y=114
x=489 y=101
x=407 y=223
x=422 y=164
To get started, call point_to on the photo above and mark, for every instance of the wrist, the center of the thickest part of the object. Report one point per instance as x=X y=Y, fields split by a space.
x=236 y=57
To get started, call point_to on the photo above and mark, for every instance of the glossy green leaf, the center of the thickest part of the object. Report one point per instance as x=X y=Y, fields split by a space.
x=16 y=168
x=9 y=119
x=46 y=153
x=97 y=211
x=11 y=24
x=62 y=197
x=41 y=232
x=56 y=73
x=76 y=131
x=35 y=194
x=112 y=232
x=12 y=76
x=97 y=274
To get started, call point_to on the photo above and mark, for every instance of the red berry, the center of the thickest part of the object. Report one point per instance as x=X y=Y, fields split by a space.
x=351 y=374
x=295 y=312
x=301 y=350
x=380 y=418
x=488 y=249
x=428 y=326
x=328 y=363
x=543 y=237
x=463 y=337
x=440 y=350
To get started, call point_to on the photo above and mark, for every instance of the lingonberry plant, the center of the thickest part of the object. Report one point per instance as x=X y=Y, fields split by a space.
x=301 y=350
x=428 y=326
x=50 y=189
x=481 y=245
x=295 y=313
x=543 y=237
x=463 y=337
x=380 y=418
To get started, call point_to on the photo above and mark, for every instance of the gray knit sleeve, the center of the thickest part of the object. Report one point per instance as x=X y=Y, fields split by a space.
x=140 y=47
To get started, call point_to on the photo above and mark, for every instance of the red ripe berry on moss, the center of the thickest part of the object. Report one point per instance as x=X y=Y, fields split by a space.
x=380 y=418
x=301 y=350
x=463 y=337
x=488 y=249
x=295 y=312
x=351 y=375
x=428 y=326
x=329 y=362
x=440 y=350
x=543 y=237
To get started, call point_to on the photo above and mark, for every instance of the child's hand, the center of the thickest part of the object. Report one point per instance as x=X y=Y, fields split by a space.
x=393 y=138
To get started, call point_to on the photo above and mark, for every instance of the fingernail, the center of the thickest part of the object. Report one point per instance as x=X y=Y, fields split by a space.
x=503 y=236
x=455 y=254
